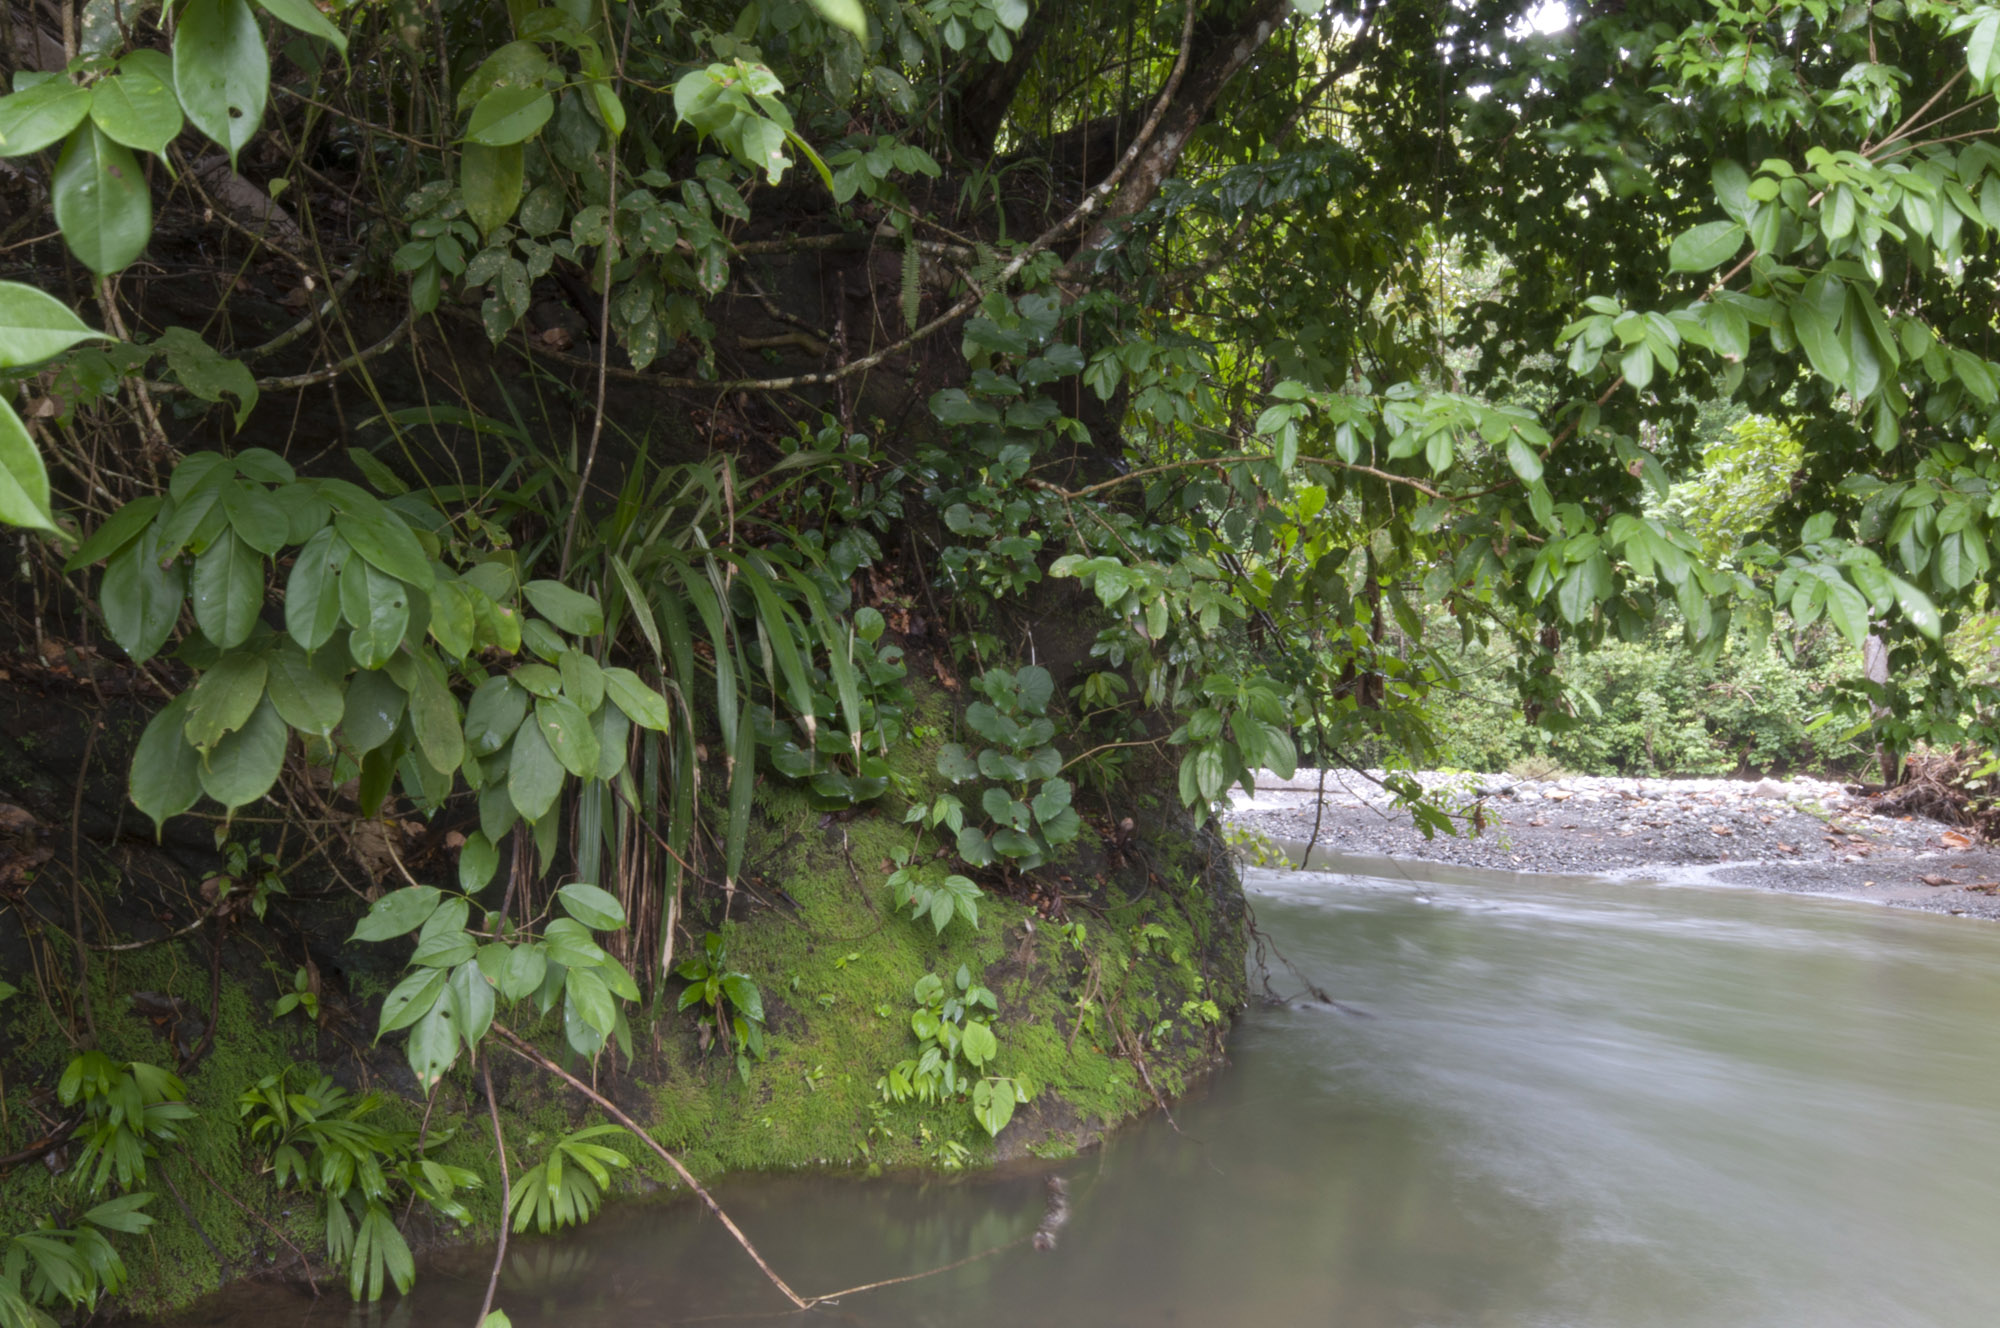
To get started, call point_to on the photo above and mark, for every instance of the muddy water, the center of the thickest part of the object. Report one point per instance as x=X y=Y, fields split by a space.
x=1547 y=1102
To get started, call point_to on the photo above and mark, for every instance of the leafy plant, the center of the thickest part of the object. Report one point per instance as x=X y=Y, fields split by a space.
x=844 y=768
x=733 y=1000
x=72 y=1266
x=565 y=1188
x=954 y=1047
x=128 y=1110
x=321 y=1139
x=1028 y=806
x=300 y=997
x=247 y=867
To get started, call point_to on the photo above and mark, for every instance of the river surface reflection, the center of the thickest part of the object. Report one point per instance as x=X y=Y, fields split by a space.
x=1548 y=1102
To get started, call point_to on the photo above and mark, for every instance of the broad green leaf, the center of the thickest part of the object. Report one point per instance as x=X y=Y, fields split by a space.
x=848 y=15
x=221 y=72
x=569 y=735
x=225 y=698
x=569 y=944
x=471 y=1003
x=35 y=325
x=432 y=1048
x=102 y=203
x=434 y=719
x=1816 y=317
x=141 y=600
x=489 y=180
x=307 y=699
x=527 y=965
x=495 y=711
x=373 y=709
x=312 y=595
x=509 y=115
x=256 y=517
x=1982 y=50
x=453 y=617
x=590 y=999
x=641 y=704
x=304 y=16
x=979 y=1045
x=1705 y=247
x=228 y=590
x=397 y=914
x=207 y=373
x=478 y=859
x=166 y=771
x=386 y=542
x=582 y=680
x=377 y=607
x=534 y=775
x=37 y=116
x=593 y=906
x=136 y=108
x=119 y=529
x=24 y=481
x=1521 y=459
x=246 y=763
x=1917 y=607
x=571 y=610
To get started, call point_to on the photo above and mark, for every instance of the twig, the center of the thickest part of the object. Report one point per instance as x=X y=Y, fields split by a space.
x=506 y=1189
x=611 y=1109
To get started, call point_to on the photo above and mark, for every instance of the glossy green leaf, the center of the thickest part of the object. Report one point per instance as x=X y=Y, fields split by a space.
x=453 y=617
x=495 y=711
x=306 y=699
x=1704 y=247
x=386 y=543
x=141 y=600
x=228 y=590
x=312 y=595
x=304 y=16
x=508 y=115
x=534 y=775
x=489 y=180
x=593 y=906
x=432 y=1048
x=572 y=611
x=246 y=763
x=34 y=325
x=569 y=735
x=166 y=772
x=102 y=203
x=471 y=1003
x=256 y=517
x=478 y=859
x=24 y=481
x=224 y=699
x=848 y=15
x=372 y=710
x=398 y=913
x=434 y=718
x=221 y=72
x=641 y=704
x=119 y=529
x=377 y=607
x=138 y=109
x=527 y=965
x=37 y=116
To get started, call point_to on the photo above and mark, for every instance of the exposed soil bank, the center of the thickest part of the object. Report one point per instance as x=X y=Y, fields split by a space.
x=1804 y=835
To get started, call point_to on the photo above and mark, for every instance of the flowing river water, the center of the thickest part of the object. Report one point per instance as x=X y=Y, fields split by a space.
x=1540 y=1101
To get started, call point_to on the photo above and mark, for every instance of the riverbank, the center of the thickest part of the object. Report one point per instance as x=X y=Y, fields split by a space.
x=1801 y=835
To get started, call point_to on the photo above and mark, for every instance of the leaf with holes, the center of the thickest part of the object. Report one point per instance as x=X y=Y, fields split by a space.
x=221 y=72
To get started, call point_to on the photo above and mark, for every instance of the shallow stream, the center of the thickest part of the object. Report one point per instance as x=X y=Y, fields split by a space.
x=1545 y=1102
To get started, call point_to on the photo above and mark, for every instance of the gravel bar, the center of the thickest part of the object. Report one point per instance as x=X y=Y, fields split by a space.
x=1804 y=835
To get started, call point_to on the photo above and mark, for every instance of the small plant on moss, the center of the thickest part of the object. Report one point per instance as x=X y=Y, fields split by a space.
x=1028 y=805
x=923 y=887
x=732 y=999
x=300 y=997
x=71 y=1266
x=127 y=1110
x=565 y=1188
x=320 y=1138
x=247 y=868
x=954 y=1047
x=863 y=686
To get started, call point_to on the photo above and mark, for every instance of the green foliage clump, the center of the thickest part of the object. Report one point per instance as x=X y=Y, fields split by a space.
x=732 y=998
x=1027 y=804
x=954 y=1047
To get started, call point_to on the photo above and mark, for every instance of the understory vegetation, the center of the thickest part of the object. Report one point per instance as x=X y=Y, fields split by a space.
x=609 y=592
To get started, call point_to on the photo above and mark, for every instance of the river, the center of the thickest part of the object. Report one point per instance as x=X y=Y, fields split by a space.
x=1540 y=1102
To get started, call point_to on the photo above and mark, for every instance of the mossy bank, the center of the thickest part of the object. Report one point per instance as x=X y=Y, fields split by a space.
x=1114 y=975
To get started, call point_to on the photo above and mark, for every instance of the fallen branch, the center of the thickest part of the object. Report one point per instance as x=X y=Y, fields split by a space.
x=506 y=1191
x=611 y=1109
